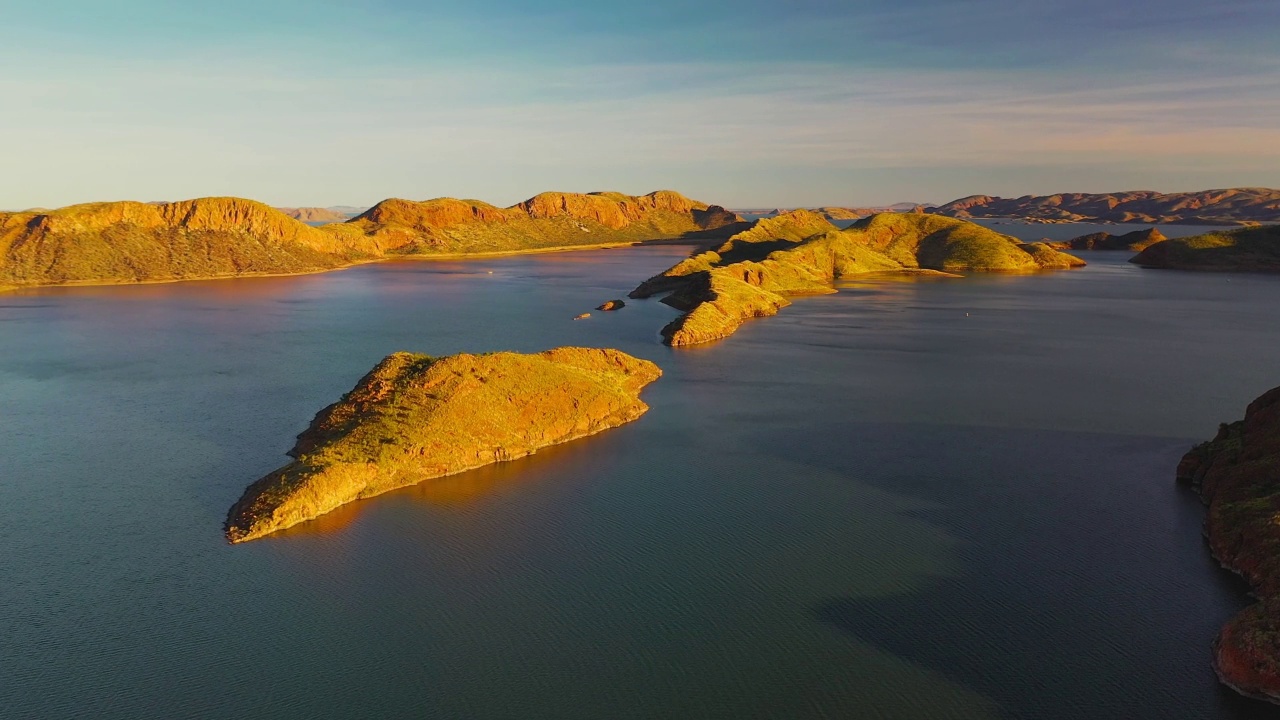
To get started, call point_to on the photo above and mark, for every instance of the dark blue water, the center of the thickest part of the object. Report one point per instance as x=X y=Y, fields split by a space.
x=929 y=499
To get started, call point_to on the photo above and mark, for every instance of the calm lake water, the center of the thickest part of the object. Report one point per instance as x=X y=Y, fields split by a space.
x=926 y=499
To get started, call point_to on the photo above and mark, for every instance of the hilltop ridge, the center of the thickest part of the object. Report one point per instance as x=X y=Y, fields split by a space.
x=1252 y=249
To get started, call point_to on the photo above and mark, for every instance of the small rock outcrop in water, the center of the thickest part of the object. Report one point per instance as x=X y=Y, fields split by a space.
x=1238 y=476
x=414 y=417
x=801 y=253
x=612 y=305
x=1135 y=241
x=1255 y=249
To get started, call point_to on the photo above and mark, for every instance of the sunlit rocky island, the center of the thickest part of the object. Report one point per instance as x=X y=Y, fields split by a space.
x=415 y=418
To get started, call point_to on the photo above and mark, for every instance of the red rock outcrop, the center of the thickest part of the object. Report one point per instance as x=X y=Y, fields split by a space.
x=1238 y=476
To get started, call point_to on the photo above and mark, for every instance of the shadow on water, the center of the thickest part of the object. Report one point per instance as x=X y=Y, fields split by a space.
x=1086 y=594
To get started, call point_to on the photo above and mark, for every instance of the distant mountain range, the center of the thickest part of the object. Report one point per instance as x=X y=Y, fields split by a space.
x=337 y=213
x=843 y=213
x=1232 y=206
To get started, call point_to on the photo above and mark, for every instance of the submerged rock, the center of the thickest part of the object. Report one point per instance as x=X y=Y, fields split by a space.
x=414 y=417
x=1238 y=476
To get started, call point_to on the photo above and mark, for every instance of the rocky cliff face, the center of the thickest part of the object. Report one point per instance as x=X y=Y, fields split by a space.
x=138 y=242
x=1209 y=207
x=413 y=418
x=1238 y=476
x=798 y=253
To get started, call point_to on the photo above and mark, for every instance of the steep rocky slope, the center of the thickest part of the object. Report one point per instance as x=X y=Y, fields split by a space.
x=1238 y=476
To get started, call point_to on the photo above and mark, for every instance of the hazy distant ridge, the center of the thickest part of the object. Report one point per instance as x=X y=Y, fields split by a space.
x=1206 y=207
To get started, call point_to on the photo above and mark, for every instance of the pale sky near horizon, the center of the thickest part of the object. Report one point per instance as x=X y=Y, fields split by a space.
x=743 y=103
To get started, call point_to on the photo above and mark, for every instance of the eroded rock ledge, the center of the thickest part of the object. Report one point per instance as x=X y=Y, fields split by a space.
x=414 y=417
x=1238 y=476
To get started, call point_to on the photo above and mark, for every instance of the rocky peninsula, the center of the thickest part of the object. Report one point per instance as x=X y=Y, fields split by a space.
x=801 y=253
x=1255 y=249
x=126 y=242
x=1238 y=476
x=1135 y=241
x=414 y=417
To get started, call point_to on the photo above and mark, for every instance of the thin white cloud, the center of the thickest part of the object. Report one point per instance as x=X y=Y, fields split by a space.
x=141 y=131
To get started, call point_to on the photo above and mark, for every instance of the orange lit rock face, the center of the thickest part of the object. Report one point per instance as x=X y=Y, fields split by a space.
x=612 y=210
x=414 y=418
x=1238 y=476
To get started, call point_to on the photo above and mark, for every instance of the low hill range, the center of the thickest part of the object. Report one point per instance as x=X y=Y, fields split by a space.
x=1231 y=206
x=802 y=253
x=316 y=214
x=126 y=242
x=836 y=213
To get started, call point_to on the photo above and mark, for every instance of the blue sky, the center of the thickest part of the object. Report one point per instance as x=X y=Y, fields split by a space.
x=742 y=103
